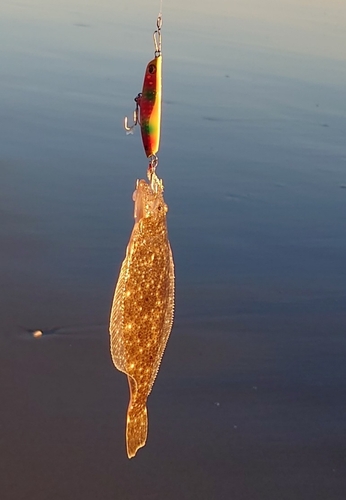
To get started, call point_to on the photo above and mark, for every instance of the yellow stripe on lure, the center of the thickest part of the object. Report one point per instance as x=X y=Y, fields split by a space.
x=148 y=103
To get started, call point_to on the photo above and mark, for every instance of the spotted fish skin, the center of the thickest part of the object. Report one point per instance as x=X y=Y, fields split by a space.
x=143 y=306
x=150 y=106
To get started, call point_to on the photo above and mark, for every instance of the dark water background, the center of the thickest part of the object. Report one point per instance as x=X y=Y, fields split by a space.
x=250 y=399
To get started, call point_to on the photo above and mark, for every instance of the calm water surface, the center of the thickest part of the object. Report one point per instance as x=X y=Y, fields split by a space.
x=250 y=401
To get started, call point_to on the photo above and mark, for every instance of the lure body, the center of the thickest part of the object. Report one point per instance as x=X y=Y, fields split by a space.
x=142 y=310
x=150 y=106
x=148 y=102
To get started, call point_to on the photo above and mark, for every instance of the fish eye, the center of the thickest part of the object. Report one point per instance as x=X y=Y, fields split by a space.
x=152 y=69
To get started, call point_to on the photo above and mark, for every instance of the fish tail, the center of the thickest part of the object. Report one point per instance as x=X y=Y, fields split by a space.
x=136 y=423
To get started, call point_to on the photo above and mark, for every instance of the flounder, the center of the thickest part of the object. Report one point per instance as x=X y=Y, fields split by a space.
x=143 y=306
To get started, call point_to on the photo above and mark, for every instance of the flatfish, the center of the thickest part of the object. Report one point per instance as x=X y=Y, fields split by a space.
x=143 y=306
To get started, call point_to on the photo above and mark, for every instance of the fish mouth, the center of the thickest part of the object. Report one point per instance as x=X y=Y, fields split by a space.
x=147 y=198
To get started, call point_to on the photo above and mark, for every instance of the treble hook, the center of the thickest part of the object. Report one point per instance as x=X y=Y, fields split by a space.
x=127 y=127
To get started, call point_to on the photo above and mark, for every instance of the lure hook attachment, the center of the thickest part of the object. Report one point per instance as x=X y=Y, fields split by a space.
x=127 y=127
x=157 y=36
x=155 y=183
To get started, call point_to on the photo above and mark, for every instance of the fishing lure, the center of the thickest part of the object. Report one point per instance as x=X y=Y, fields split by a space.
x=143 y=304
x=148 y=103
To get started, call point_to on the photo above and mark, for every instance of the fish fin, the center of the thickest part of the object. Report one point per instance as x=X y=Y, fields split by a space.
x=116 y=327
x=168 y=319
x=136 y=423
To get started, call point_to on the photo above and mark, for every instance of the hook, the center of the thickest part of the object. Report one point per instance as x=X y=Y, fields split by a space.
x=153 y=162
x=155 y=183
x=128 y=127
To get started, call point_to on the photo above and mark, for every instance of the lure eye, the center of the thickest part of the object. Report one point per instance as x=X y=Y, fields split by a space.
x=152 y=69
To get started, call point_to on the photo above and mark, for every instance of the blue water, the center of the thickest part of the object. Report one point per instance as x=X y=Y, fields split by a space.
x=253 y=161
